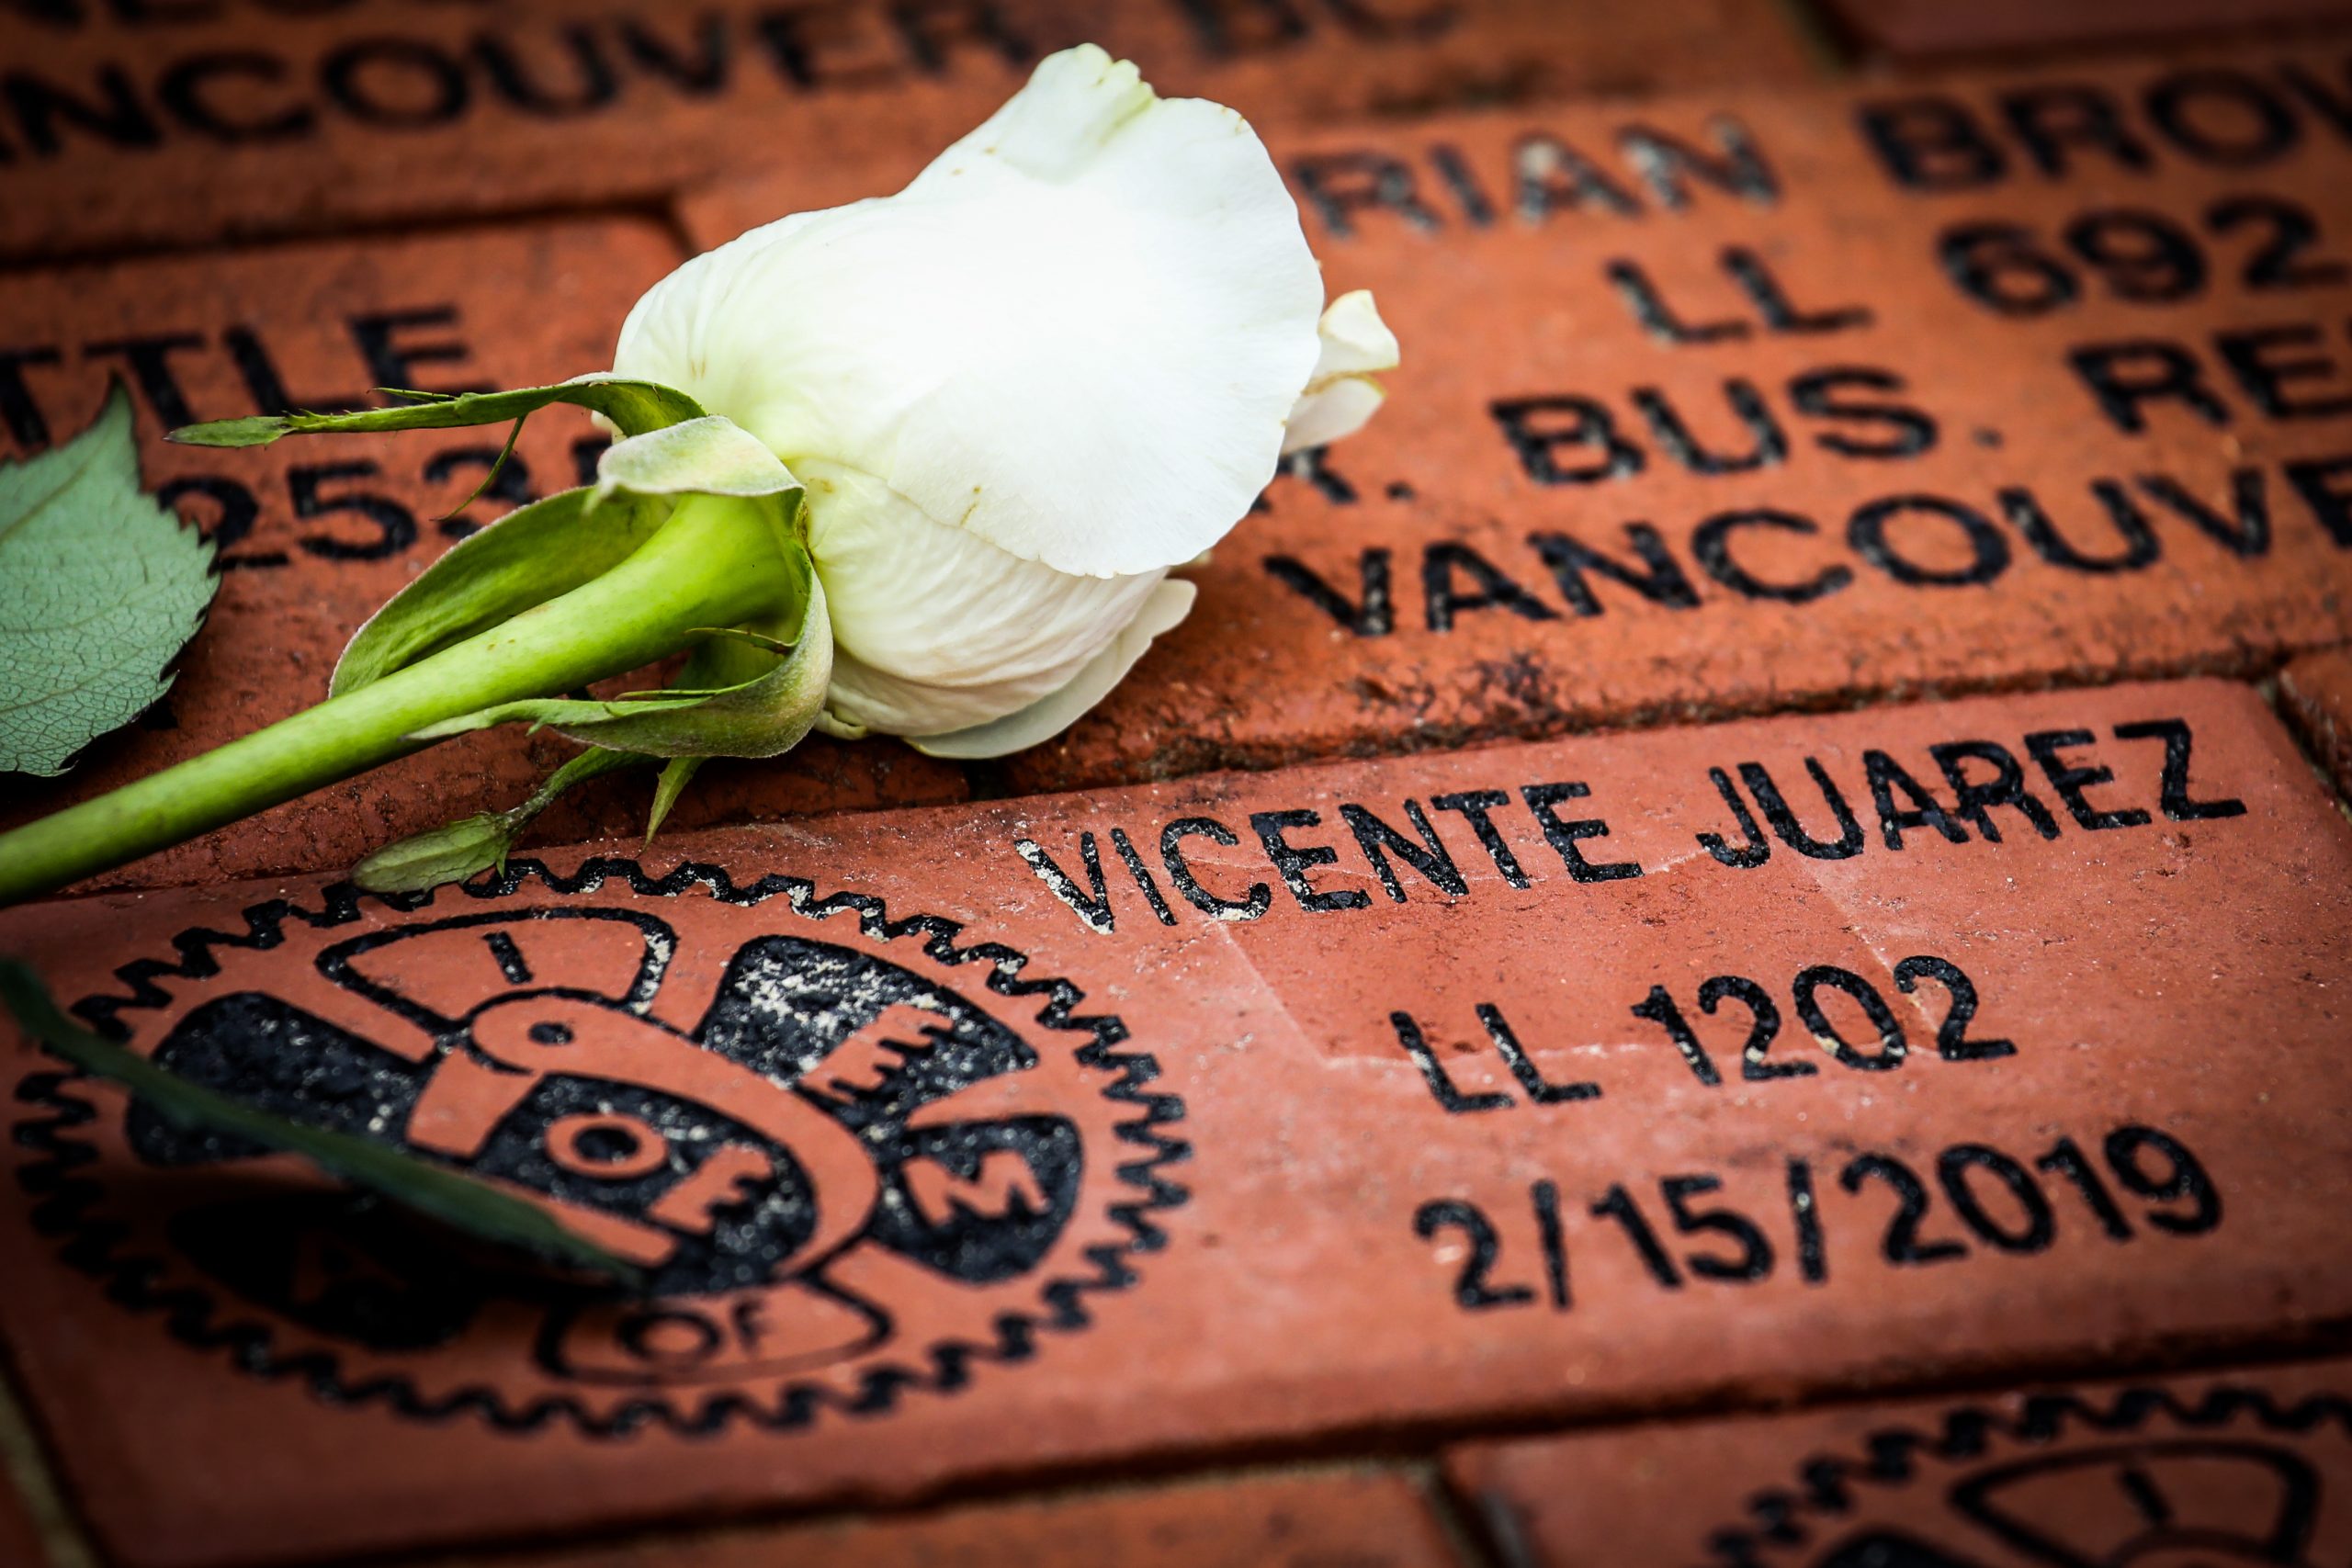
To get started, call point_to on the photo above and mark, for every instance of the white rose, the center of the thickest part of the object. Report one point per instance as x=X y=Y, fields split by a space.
x=1062 y=361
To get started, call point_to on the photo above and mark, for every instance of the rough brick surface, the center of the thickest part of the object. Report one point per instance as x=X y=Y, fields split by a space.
x=2317 y=692
x=1509 y=1121
x=1309 y=1520
x=318 y=531
x=1915 y=31
x=2251 y=1466
x=19 y=1540
x=184 y=124
x=1830 y=428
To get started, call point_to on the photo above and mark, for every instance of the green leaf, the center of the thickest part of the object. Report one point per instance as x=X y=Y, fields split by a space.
x=444 y=1195
x=635 y=406
x=474 y=844
x=738 y=696
x=100 y=588
x=533 y=554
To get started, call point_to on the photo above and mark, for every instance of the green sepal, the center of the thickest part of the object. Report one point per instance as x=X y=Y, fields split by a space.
x=533 y=554
x=451 y=853
x=471 y=845
x=741 y=695
x=839 y=729
x=489 y=475
x=432 y=1190
x=548 y=547
x=634 y=406
x=710 y=456
x=675 y=775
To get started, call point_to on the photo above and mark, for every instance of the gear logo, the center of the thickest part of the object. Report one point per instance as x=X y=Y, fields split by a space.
x=843 y=1176
x=2141 y=1478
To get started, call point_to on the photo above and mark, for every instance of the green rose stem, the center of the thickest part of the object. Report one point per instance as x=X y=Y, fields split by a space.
x=715 y=562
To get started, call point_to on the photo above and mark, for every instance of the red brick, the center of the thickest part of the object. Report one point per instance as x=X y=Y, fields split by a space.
x=20 y=1541
x=2317 y=692
x=1341 y=1518
x=1517 y=310
x=2246 y=1466
x=1284 y=1262
x=510 y=309
x=379 y=111
x=1911 y=31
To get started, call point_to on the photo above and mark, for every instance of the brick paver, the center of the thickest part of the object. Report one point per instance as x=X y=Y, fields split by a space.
x=179 y=124
x=2241 y=1466
x=1916 y=32
x=1749 y=402
x=1678 y=1144
x=21 y=1540
x=1317 y=1519
x=2316 y=694
x=316 y=532
x=2017 y=1053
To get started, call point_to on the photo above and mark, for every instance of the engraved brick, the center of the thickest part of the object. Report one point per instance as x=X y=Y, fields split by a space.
x=318 y=531
x=1583 y=1100
x=2252 y=1465
x=2316 y=694
x=1917 y=32
x=1823 y=422
x=177 y=126
x=1353 y=1518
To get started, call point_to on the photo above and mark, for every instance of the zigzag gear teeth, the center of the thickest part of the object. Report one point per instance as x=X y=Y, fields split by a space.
x=848 y=1174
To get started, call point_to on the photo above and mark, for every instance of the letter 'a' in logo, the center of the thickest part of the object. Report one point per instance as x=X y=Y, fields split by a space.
x=837 y=1170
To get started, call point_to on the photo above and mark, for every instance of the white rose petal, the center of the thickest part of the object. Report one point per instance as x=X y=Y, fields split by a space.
x=1061 y=361
x=1077 y=335
x=936 y=628
x=1169 y=603
x=1340 y=395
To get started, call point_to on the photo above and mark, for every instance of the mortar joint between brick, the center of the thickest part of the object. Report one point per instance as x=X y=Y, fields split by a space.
x=1829 y=46
x=1477 y=1540
x=2292 y=718
x=657 y=212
